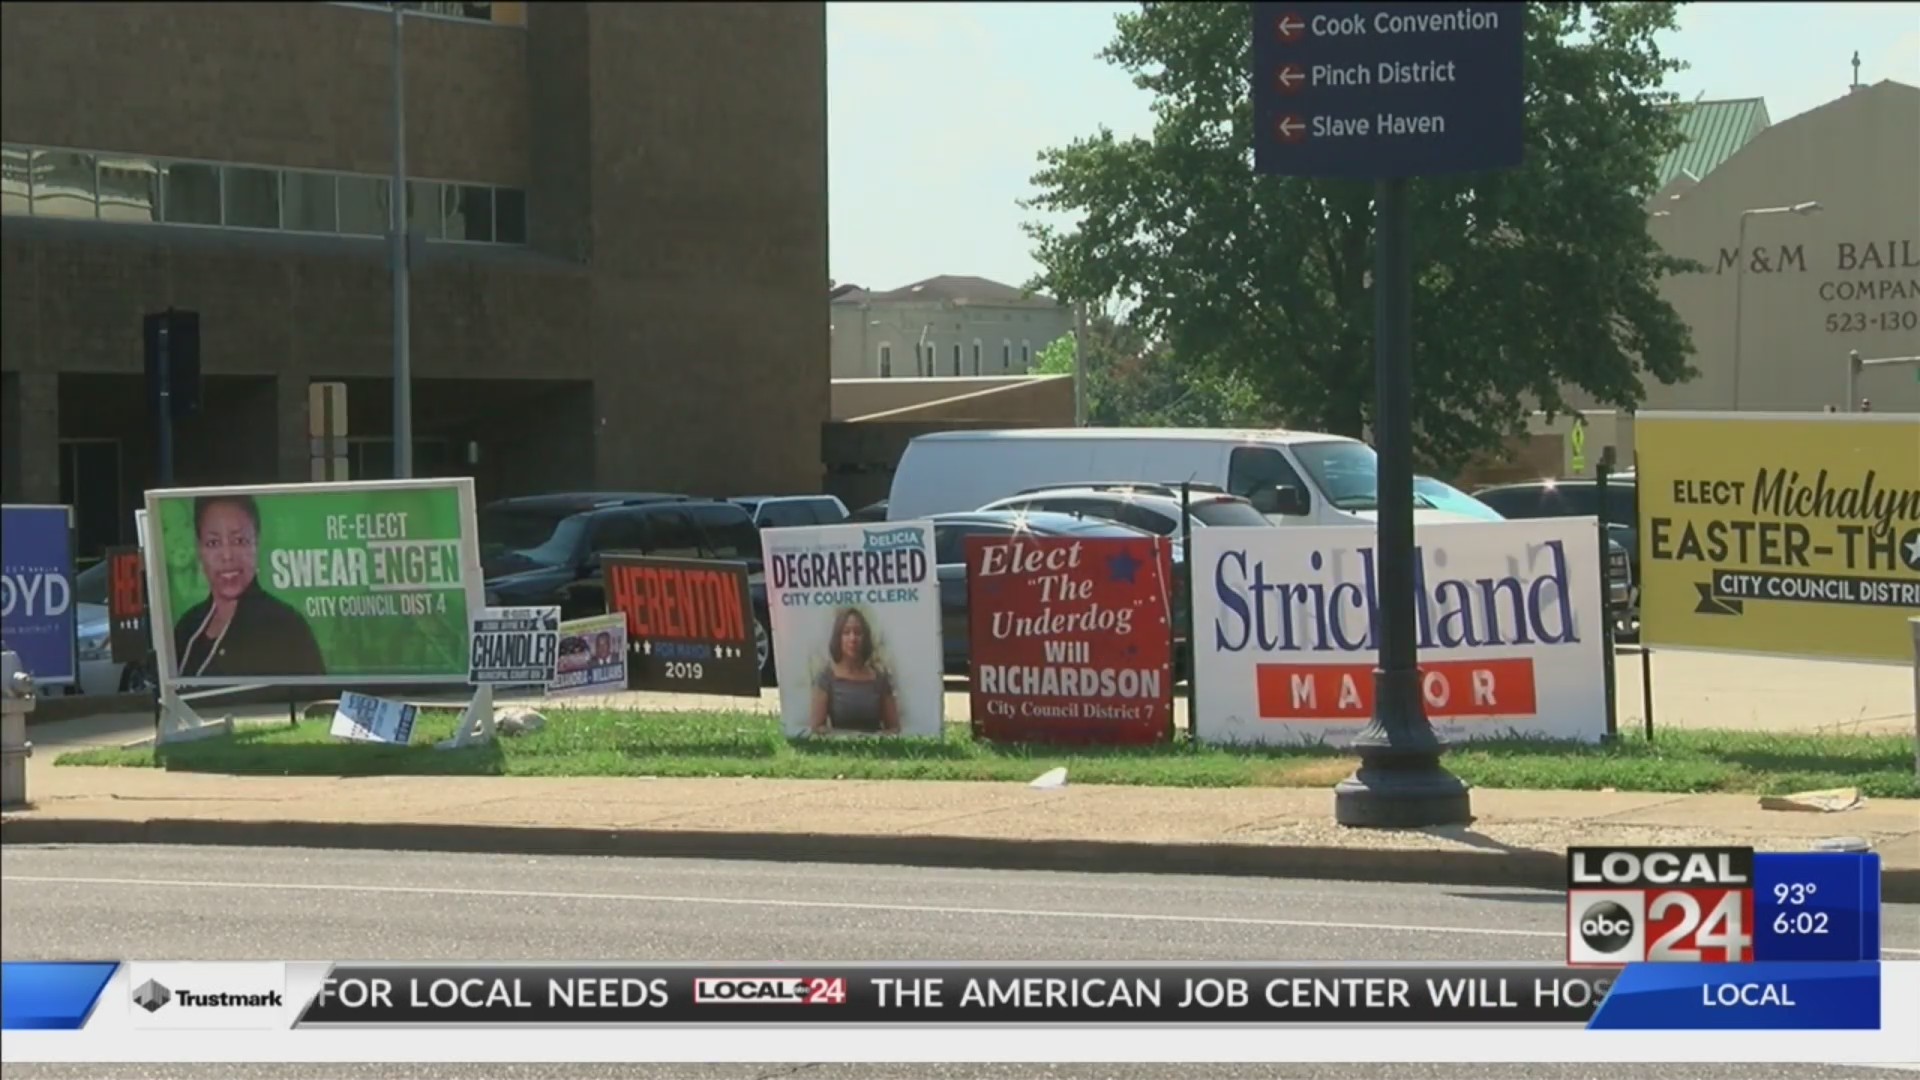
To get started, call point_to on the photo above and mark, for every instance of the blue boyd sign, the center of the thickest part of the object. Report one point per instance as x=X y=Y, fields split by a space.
x=1370 y=91
x=36 y=590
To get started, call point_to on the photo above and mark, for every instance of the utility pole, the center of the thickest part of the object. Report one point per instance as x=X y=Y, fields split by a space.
x=1079 y=365
x=398 y=262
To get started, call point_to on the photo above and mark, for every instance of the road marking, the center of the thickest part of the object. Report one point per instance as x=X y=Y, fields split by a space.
x=834 y=905
x=732 y=901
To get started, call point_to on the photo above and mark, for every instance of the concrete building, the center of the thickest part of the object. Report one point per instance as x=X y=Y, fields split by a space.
x=621 y=219
x=942 y=327
x=1809 y=233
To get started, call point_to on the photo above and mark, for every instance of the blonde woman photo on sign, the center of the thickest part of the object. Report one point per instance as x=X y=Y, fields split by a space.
x=853 y=692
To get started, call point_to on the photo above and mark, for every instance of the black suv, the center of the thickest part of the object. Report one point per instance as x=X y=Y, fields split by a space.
x=1580 y=498
x=545 y=549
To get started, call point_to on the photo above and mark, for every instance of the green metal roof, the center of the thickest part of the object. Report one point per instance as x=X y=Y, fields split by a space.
x=1714 y=130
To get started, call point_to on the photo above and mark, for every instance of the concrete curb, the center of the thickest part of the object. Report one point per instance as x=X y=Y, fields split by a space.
x=1522 y=869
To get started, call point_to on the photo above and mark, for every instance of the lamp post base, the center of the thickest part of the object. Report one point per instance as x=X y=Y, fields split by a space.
x=1404 y=795
x=1400 y=783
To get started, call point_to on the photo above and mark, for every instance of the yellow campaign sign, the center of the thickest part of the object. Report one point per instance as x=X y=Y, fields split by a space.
x=1796 y=534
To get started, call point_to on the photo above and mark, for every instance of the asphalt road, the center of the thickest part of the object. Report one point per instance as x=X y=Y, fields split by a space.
x=217 y=904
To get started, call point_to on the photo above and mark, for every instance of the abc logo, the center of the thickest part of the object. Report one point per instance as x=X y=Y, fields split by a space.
x=1606 y=927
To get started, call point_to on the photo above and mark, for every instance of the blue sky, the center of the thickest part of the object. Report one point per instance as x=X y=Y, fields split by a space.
x=937 y=110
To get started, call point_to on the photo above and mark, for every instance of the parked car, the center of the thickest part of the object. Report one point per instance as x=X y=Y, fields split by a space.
x=546 y=549
x=1152 y=507
x=874 y=511
x=786 y=511
x=1293 y=477
x=98 y=672
x=950 y=556
x=1444 y=496
x=1581 y=498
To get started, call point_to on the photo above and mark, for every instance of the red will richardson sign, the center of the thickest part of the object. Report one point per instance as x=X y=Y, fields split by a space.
x=1069 y=639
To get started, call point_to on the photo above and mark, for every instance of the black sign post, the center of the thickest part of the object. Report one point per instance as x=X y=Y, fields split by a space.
x=1386 y=92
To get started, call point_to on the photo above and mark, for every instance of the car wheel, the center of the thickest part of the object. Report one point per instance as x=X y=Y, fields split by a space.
x=134 y=679
x=763 y=650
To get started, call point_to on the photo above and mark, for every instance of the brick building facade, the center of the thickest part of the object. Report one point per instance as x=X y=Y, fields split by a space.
x=617 y=283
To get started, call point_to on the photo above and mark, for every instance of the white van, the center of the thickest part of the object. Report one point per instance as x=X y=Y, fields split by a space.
x=1294 y=477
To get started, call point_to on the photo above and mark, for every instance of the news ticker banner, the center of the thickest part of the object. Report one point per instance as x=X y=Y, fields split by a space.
x=118 y=997
x=1721 y=905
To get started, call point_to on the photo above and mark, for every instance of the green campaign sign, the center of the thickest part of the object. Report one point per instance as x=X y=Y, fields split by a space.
x=316 y=583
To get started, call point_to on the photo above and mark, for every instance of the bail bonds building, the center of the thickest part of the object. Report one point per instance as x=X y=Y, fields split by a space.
x=619 y=242
x=1809 y=235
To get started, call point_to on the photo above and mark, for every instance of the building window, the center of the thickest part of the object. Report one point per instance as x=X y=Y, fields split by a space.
x=509 y=216
x=190 y=194
x=976 y=356
x=469 y=213
x=307 y=201
x=1026 y=355
x=498 y=14
x=63 y=184
x=886 y=360
x=363 y=206
x=129 y=190
x=1006 y=355
x=425 y=214
x=956 y=358
x=16 y=169
x=251 y=197
x=49 y=182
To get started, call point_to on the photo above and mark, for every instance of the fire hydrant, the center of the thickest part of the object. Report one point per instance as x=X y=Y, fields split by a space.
x=16 y=701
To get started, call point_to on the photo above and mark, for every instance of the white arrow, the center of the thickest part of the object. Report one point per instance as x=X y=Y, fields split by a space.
x=647 y=647
x=1289 y=126
x=1290 y=75
x=1291 y=26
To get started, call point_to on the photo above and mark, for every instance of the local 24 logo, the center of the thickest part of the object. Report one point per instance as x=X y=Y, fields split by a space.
x=1675 y=905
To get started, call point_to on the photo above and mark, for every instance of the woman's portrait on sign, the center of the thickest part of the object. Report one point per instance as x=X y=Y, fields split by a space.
x=240 y=628
x=854 y=691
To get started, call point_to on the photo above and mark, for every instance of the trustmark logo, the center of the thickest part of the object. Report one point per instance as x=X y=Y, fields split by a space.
x=208 y=995
x=151 y=996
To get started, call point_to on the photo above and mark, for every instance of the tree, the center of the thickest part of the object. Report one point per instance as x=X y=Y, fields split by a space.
x=1525 y=281
x=1131 y=382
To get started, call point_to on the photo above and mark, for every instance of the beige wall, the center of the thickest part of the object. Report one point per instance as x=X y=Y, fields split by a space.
x=1813 y=287
x=1008 y=337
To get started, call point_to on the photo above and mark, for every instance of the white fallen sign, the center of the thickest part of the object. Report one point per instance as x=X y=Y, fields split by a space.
x=365 y=718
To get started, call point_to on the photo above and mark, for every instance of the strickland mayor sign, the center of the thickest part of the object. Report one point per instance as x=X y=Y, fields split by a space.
x=1508 y=623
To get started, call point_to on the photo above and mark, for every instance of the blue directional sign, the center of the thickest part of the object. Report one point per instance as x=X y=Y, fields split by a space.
x=1387 y=90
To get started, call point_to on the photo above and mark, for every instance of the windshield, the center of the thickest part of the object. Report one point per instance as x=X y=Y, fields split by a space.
x=735 y=539
x=1227 y=512
x=528 y=538
x=1445 y=496
x=90 y=585
x=1347 y=473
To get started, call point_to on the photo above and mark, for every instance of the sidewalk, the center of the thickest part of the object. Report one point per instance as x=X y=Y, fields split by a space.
x=1518 y=838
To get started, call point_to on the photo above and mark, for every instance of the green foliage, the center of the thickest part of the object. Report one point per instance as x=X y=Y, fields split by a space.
x=1526 y=281
x=1135 y=383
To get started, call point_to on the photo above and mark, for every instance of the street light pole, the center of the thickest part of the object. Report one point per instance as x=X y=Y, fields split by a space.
x=1079 y=365
x=397 y=262
x=1740 y=279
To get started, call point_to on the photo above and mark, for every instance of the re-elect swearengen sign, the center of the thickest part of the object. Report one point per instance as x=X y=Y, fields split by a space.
x=36 y=591
x=1508 y=621
x=1069 y=639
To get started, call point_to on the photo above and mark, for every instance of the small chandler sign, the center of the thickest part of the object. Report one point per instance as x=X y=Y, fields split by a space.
x=1070 y=639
